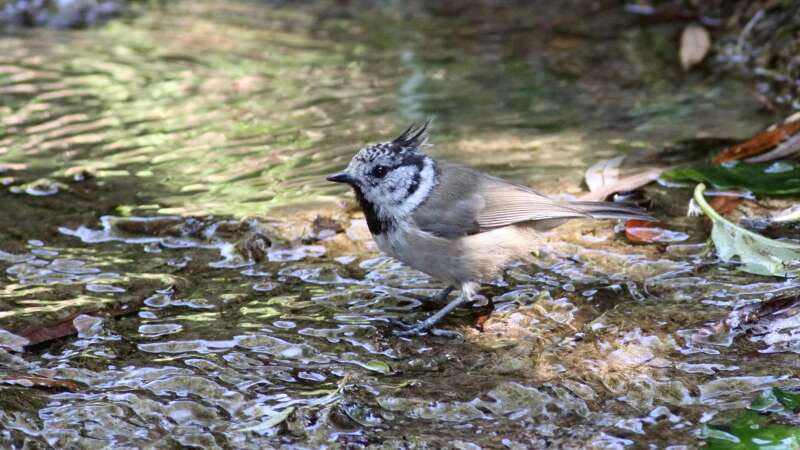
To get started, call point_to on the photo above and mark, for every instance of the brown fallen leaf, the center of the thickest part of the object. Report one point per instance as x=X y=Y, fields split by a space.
x=788 y=147
x=58 y=329
x=603 y=173
x=695 y=44
x=630 y=183
x=761 y=142
x=36 y=381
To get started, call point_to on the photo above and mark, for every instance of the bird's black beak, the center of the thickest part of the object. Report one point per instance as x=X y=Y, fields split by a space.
x=341 y=177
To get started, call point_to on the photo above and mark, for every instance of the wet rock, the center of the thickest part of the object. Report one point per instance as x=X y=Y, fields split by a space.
x=734 y=389
x=295 y=253
x=12 y=341
x=630 y=356
x=250 y=249
x=323 y=228
x=458 y=412
x=39 y=188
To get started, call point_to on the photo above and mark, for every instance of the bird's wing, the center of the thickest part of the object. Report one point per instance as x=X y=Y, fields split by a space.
x=468 y=202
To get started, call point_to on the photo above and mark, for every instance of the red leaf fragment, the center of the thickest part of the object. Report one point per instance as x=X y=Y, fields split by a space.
x=481 y=320
x=644 y=232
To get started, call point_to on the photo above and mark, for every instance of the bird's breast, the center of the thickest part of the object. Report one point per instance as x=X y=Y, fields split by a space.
x=478 y=257
x=438 y=257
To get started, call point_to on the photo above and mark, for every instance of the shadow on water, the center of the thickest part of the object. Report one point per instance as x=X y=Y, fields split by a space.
x=167 y=169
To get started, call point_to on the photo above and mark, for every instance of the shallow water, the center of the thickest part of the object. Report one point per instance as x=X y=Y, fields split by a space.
x=165 y=169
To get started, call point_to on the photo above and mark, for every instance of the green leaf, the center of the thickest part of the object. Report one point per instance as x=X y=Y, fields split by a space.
x=751 y=431
x=378 y=366
x=766 y=402
x=757 y=254
x=776 y=179
x=789 y=400
x=776 y=399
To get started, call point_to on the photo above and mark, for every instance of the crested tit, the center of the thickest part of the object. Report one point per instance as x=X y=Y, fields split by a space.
x=454 y=223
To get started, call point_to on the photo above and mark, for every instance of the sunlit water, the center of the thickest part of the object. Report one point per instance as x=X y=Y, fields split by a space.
x=118 y=144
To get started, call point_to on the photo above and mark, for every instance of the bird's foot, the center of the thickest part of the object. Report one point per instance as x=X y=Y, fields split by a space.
x=407 y=329
x=427 y=325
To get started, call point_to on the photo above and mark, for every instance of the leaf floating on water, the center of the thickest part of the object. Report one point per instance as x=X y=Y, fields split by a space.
x=36 y=381
x=763 y=141
x=378 y=366
x=751 y=431
x=757 y=254
x=58 y=329
x=644 y=232
x=695 y=44
x=776 y=399
x=757 y=429
x=273 y=420
x=789 y=400
x=776 y=179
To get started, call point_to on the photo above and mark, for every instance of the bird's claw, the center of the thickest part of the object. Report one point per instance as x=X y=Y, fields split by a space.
x=399 y=323
x=411 y=331
x=419 y=329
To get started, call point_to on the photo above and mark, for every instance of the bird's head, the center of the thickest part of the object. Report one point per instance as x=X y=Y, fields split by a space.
x=394 y=177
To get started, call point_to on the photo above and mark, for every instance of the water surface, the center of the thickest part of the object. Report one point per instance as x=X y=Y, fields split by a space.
x=172 y=163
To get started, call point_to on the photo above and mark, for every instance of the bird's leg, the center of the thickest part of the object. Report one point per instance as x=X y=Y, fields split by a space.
x=442 y=295
x=467 y=289
x=429 y=303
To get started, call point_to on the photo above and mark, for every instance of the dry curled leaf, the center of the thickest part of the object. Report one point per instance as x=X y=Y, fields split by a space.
x=603 y=179
x=771 y=137
x=603 y=173
x=788 y=147
x=695 y=44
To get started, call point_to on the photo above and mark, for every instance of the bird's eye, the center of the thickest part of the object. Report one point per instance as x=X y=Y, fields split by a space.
x=380 y=171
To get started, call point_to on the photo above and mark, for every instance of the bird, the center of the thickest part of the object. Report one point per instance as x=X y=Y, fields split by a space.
x=454 y=223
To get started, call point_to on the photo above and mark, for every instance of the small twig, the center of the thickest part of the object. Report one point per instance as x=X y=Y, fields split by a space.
x=747 y=29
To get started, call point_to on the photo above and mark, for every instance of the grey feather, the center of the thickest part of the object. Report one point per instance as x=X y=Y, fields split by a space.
x=466 y=202
x=611 y=210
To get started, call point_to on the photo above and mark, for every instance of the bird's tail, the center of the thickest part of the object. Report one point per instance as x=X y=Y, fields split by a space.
x=611 y=210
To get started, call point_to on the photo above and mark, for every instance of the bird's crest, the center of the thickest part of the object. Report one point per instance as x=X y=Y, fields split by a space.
x=414 y=136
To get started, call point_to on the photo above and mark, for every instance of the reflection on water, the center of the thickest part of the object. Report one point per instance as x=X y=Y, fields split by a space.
x=232 y=108
x=245 y=330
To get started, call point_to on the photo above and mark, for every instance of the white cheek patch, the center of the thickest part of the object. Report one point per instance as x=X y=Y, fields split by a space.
x=427 y=181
